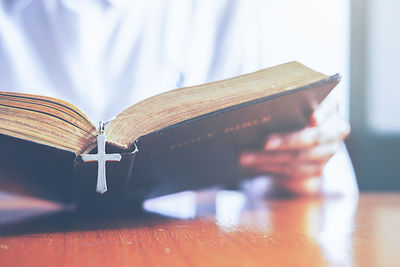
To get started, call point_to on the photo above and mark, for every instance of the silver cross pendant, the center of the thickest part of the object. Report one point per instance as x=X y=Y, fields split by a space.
x=101 y=157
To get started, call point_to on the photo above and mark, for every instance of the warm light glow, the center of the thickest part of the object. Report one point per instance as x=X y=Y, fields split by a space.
x=228 y=207
x=180 y=205
x=337 y=227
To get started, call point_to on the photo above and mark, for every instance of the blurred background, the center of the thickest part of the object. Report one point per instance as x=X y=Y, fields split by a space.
x=359 y=39
x=374 y=93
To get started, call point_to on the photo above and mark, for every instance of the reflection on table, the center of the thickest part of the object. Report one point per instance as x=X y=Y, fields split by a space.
x=214 y=228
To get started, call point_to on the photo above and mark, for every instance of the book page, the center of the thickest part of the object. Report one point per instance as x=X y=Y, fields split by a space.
x=178 y=105
x=45 y=120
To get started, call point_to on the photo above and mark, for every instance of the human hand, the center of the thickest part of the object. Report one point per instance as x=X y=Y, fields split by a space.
x=295 y=160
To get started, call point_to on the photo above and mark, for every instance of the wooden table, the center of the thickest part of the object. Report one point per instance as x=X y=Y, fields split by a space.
x=226 y=230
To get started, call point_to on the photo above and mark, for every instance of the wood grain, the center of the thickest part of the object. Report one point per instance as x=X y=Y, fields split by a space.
x=285 y=232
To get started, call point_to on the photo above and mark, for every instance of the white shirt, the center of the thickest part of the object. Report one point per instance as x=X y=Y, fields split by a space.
x=105 y=55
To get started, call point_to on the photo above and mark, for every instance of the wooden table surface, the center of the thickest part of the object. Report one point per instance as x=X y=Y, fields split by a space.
x=223 y=229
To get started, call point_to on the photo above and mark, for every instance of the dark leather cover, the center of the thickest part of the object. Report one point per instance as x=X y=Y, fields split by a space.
x=193 y=154
x=37 y=170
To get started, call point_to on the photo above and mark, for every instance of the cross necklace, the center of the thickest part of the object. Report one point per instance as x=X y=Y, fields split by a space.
x=101 y=157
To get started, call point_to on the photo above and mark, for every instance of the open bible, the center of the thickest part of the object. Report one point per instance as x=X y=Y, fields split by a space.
x=186 y=138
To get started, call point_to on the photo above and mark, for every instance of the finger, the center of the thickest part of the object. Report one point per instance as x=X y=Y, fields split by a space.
x=335 y=129
x=293 y=171
x=307 y=186
x=321 y=153
x=313 y=121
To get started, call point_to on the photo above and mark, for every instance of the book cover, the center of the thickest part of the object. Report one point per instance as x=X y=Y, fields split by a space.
x=195 y=153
